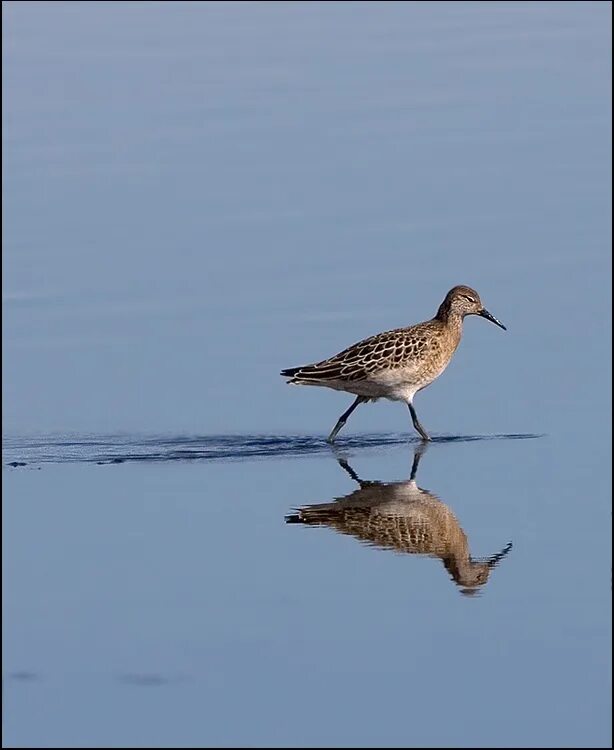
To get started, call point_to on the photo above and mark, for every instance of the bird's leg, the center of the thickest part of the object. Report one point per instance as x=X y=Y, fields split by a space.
x=344 y=418
x=417 y=425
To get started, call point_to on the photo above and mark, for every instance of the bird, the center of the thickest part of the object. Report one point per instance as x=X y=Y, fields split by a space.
x=396 y=364
x=402 y=517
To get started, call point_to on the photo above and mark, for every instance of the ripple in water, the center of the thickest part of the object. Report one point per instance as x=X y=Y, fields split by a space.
x=117 y=449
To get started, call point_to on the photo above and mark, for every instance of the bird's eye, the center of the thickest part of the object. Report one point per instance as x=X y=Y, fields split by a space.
x=469 y=299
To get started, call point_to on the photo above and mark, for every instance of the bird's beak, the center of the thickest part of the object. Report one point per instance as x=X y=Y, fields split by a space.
x=485 y=314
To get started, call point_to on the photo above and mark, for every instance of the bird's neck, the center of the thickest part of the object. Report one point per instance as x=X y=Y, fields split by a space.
x=451 y=320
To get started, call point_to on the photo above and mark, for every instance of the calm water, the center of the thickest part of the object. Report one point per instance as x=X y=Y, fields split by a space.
x=197 y=195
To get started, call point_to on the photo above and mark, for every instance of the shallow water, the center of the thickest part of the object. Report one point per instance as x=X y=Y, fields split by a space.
x=120 y=448
x=199 y=195
x=176 y=598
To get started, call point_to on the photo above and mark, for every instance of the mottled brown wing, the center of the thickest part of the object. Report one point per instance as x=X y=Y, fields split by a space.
x=360 y=361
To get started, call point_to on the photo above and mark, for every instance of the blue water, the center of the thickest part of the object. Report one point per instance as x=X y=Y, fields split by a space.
x=197 y=195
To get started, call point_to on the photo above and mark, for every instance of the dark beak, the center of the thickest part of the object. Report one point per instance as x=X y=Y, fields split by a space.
x=495 y=559
x=485 y=314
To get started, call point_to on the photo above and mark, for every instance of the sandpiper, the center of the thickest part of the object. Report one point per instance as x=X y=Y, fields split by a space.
x=396 y=364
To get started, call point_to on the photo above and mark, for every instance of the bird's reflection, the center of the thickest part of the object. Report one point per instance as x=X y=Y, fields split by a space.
x=403 y=517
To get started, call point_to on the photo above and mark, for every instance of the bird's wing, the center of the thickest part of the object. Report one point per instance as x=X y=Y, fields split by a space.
x=361 y=361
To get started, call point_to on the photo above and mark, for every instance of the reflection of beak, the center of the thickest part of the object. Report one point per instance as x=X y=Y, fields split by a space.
x=485 y=314
x=495 y=559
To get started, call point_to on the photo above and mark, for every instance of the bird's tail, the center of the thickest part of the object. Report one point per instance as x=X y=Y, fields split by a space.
x=316 y=374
